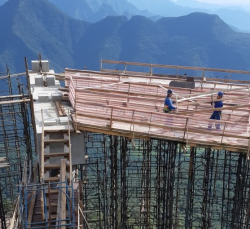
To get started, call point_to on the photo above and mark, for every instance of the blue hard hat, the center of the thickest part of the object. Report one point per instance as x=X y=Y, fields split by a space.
x=170 y=91
x=220 y=93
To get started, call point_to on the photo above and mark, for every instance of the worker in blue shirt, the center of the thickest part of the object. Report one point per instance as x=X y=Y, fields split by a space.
x=217 y=114
x=168 y=105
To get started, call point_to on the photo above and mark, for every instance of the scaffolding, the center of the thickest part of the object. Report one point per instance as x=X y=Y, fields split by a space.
x=33 y=196
x=131 y=105
x=16 y=132
x=143 y=169
x=146 y=169
x=156 y=185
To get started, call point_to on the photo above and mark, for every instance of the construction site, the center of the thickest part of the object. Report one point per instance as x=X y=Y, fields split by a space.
x=93 y=149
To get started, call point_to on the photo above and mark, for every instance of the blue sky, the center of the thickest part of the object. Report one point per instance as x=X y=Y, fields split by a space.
x=217 y=3
x=227 y=2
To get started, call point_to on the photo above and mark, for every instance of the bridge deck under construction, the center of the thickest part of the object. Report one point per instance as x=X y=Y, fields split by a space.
x=131 y=104
x=127 y=166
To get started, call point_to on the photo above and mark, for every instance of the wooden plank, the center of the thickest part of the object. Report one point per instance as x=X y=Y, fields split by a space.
x=64 y=89
x=50 y=205
x=4 y=165
x=61 y=208
x=65 y=98
x=14 y=101
x=52 y=191
x=106 y=116
x=31 y=206
x=24 y=177
x=140 y=134
x=58 y=108
x=70 y=157
x=51 y=179
x=147 y=85
x=169 y=77
x=213 y=93
x=175 y=67
x=55 y=141
x=42 y=148
x=90 y=99
x=146 y=137
x=61 y=154
x=192 y=129
x=13 y=96
x=15 y=214
x=2 y=159
x=53 y=166
x=144 y=96
x=59 y=129
x=214 y=109
x=62 y=109
x=157 y=76
x=101 y=86
x=12 y=75
x=42 y=163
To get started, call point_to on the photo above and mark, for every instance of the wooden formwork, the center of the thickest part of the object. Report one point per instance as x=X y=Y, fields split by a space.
x=132 y=105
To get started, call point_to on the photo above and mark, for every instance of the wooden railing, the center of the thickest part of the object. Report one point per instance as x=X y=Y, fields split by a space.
x=100 y=107
x=176 y=67
x=154 y=124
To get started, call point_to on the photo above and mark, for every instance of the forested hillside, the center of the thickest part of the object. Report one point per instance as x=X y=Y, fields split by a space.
x=198 y=39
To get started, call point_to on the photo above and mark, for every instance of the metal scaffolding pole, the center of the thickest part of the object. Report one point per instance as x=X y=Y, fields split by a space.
x=154 y=184
x=2 y=212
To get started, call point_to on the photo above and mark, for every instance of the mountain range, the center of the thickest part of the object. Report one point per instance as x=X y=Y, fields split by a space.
x=198 y=39
x=235 y=16
x=95 y=10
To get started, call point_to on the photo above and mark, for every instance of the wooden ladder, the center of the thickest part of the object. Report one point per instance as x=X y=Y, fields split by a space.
x=55 y=166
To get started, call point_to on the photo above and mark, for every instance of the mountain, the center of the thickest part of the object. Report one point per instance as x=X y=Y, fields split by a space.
x=33 y=27
x=198 y=39
x=77 y=9
x=164 y=8
x=95 y=10
x=243 y=18
x=232 y=15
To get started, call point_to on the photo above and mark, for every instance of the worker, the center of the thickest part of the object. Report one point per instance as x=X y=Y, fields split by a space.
x=217 y=114
x=168 y=105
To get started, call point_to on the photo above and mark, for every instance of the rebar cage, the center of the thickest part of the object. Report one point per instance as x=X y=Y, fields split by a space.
x=16 y=139
x=154 y=184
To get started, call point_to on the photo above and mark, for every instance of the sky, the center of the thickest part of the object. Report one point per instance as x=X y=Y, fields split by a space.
x=191 y=3
x=226 y=2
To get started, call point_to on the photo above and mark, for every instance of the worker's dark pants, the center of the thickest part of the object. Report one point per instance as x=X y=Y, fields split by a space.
x=216 y=115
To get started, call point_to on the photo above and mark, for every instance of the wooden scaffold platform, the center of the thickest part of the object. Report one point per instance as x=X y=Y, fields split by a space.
x=131 y=104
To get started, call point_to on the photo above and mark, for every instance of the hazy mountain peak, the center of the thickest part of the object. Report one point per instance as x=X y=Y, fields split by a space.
x=198 y=39
x=95 y=10
x=235 y=16
x=32 y=27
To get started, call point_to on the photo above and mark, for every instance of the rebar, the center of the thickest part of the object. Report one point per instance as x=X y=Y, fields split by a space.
x=152 y=183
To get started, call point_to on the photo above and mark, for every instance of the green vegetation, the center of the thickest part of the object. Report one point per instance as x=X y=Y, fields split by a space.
x=198 y=39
